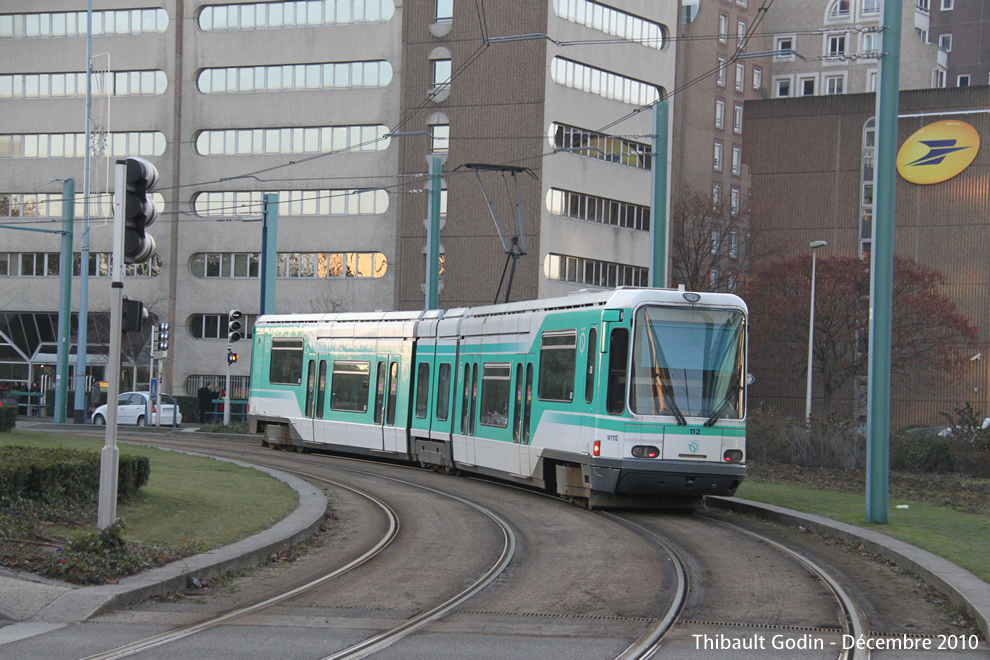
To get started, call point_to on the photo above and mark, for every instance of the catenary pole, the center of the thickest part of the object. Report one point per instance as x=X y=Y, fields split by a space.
x=882 y=269
x=658 y=226
x=79 y=408
x=433 y=236
x=64 y=302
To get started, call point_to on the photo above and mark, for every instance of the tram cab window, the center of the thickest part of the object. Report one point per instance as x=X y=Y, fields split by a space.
x=618 y=357
x=558 y=357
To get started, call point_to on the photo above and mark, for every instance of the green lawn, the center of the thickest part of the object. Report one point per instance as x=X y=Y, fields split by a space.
x=188 y=499
x=962 y=538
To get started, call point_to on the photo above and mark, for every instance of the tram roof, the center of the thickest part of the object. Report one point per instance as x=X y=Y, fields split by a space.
x=430 y=323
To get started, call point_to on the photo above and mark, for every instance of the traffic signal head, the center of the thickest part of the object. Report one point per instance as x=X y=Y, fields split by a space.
x=235 y=326
x=231 y=357
x=133 y=315
x=139 y=210
x=162 y=338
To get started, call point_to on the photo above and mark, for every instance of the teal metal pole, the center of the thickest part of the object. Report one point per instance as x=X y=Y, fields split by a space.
x=658 y=228
x=433 y=237
x=64 y=301
x=269 y=251
x=882 y=270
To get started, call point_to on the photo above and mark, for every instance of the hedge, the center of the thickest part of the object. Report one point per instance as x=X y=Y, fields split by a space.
x=8 y=418
x=51 y=475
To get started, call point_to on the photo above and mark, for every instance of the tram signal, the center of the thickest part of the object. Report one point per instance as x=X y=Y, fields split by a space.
x=231 y=357
x=139 y=210
x=235 y=327
x=133 y=314
x=162 y=338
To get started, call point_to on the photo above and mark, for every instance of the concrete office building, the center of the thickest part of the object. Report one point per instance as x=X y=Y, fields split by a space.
x=231 y=101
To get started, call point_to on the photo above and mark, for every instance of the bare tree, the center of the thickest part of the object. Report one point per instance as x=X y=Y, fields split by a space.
x=708 y=243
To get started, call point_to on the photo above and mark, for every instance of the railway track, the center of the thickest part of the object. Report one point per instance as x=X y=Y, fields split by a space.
x=663 y=632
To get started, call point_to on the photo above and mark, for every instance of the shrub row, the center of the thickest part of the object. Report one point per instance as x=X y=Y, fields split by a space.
x=53 y=475
x=771 y=437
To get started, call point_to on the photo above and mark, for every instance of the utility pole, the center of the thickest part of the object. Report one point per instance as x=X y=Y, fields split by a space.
x=65 y=302
x=658 y=227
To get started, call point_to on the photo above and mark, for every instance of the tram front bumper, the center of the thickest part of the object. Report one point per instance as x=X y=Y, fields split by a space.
x=681 y=478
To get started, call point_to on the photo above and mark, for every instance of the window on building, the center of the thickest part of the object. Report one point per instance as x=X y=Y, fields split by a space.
x=783 y=87
x=719 y=113
x=720 y=74
x=757 y=77
x=872 y=84
x=834 y=85
x=938 y=78
x=441 y=74
x=717 y=159
x=740 y=77
x=808 y=87
x=594 y=273
x=735 y=200
x=445 y=11
x=733 y=244
x=736 y=160
x=785 y=47
x=603 y=83
x=723 y=28
x=948 y=5
x=945 y=42
x=962 y=80
x=441 y=138
x=591 y=144
x=836 y=45
x=871 y=6
x=618 y=23
x=740 y=32
x=606 y=211
x=840 y=9
x=293 y=14
x=737 y=118
x=716 y=195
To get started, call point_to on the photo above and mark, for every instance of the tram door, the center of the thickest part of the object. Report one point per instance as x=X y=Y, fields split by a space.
x=522 y=409
x=386 y=401
x=309 y=410
x=316 y=394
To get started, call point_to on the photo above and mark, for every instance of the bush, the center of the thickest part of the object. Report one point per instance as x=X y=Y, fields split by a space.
x=8 y=418
x=56 y=475
x=931 y=453
x=768 y=436
x=827 y=442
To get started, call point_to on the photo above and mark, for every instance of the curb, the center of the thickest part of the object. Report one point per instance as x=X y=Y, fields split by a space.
x=964 y=588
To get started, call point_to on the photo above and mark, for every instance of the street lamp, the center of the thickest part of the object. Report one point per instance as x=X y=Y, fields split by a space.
x=814 y=245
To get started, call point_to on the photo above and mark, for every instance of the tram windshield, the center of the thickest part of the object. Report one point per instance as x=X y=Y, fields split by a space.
x=688 y=362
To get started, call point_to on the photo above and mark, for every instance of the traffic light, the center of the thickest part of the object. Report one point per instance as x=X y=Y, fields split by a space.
x=235 y=327
x=231 y=357
x=139 y=210
x=134 y=314
x=163 y=338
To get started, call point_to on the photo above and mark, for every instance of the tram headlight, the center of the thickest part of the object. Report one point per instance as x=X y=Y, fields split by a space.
x=733 y=456
x=645 y=451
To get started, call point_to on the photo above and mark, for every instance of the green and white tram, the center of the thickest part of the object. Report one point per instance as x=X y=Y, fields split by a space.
x=611 y=398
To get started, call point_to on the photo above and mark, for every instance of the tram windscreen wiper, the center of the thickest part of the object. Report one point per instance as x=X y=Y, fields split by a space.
x=722 y=406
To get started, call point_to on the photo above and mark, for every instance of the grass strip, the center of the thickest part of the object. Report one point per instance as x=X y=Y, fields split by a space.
x=188 y=499
x=960 y=537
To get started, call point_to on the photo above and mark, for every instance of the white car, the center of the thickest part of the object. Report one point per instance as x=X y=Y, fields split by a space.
x=133 y=406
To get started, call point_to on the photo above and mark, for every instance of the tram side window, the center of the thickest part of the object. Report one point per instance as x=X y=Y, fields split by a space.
x=466 y=399
x=589 y=377
x=443 y=392
x=558 y=360
x=287 y=362
x=618 y=357
x=349 y=386
x=423 y=390
x=495 y=392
